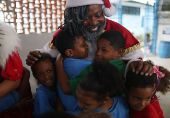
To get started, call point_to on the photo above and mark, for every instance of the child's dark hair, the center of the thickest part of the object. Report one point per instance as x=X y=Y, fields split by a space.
x=93 y=114
x=43 y=57
x=142 y=81
x=115 y=38
x=103 y=80
x=63 y=41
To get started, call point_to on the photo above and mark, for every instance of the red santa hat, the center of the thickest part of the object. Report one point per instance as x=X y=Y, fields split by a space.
x=108 y=11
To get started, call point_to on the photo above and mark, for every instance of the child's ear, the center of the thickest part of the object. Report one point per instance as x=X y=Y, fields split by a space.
x=120 y=52
x=69 y=53
x=106 y=99
x=34 y=75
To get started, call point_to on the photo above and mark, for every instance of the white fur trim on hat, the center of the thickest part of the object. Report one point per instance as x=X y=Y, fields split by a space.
x=9 y=41
x=76 y=3
x=136 y=54
x=109 y=9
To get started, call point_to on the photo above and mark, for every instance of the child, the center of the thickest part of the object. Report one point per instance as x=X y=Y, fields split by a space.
x=94 y=114
x=141 y=92
x=73 y=66
x=14 y=82
x=57 y=114
x=87 y=114
x=73 y=49
x=95 y=91
x=109 y=48
x=44 y=72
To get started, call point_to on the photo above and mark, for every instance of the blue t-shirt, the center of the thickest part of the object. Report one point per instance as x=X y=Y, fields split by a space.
x=119 y=108
x=44 y=101
x=9 y=100
x=72 y=67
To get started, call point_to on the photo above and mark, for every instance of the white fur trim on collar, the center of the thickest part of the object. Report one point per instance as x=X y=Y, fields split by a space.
x=133 y=55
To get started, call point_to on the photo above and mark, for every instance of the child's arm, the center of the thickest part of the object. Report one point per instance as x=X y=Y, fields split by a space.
x=60 y=106
x=24 y=102
x=22 y=90
x=24 y=83
x=9 y=100
x=62 y=77
x=7 y=86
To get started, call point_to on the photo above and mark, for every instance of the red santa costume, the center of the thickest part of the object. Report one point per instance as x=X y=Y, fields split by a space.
x=10 y=61
x=11 y=66
x=132 y=46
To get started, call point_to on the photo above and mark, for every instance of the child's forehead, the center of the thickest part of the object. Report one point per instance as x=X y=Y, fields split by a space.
x=79 y=38
x=86 y=93
x=137 y=91
x=104 y=42
x=42 y=63
x=45 y=61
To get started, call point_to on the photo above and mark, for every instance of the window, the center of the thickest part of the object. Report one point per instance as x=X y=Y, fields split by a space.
x=130 y=10
x=30 y=16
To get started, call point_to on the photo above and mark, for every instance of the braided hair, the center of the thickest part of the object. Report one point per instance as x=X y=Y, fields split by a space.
x=74 y=18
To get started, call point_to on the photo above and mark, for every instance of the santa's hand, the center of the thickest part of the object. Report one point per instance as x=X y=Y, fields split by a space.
x=142 y=67
x=31 y=58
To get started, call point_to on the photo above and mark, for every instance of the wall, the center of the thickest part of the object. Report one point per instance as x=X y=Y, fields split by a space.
x=30 y=42
x=162 y=24
x=137 y=24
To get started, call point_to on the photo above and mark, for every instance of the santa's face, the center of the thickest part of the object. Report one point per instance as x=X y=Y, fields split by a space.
x=94 y=23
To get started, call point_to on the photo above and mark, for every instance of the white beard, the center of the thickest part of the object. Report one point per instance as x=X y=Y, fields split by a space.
x=9 y=41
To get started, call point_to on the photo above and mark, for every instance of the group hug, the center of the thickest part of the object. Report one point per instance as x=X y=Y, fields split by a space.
x=92 y=68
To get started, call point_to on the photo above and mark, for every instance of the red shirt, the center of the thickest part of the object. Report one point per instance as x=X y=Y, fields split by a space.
x=13 y=68
x=148 y=112
x=157 y=106
x=153 y=110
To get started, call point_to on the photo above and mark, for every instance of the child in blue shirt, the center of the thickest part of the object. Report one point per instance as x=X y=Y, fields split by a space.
x=97 y=89
x=109 y=47
x=73 y=49
x=44 y=72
